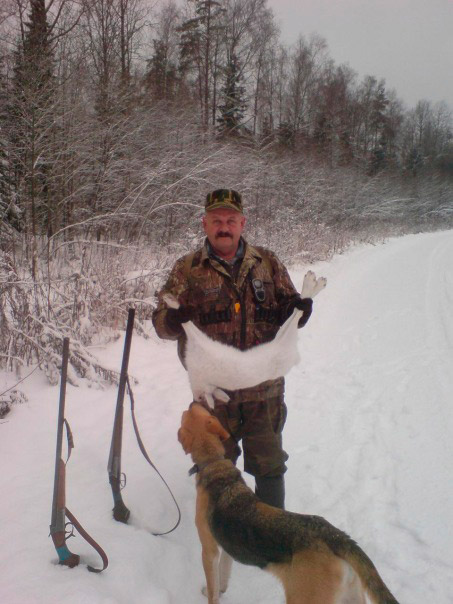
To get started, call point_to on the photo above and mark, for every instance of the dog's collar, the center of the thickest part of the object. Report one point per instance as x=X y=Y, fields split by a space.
x=197 y=468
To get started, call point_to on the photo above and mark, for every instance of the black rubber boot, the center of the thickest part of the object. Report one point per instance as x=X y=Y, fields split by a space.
x=271 y=490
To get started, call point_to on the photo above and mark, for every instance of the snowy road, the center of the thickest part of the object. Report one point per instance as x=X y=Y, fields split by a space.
x=369 y=433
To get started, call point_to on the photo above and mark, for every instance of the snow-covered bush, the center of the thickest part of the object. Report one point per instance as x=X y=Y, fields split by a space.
x=81 y=293
x=10 y=398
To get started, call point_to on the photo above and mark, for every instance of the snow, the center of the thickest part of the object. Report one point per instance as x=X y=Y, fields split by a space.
x=369 y=435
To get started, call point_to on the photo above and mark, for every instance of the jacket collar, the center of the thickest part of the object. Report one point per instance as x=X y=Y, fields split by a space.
x=248 y=252
x=251 y=257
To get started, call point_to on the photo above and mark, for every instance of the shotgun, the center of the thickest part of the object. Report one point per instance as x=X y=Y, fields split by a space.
x=118 y=480
x=58 y=519
x=59 y=510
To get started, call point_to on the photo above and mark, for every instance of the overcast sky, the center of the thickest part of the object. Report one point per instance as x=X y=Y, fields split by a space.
x=409 y=43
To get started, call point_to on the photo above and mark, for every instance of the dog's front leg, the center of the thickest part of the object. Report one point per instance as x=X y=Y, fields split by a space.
x=210 y=551
x=225 y=564
x=210 y=556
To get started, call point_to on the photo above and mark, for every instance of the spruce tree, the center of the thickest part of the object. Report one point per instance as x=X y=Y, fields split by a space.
x=31 y=114
x=233 y=107
x=161 y=78
x=9 y=213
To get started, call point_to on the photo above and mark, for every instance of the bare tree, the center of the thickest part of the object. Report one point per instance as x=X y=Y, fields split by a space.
x=162 y=79
x=201 y=33
x=307 y=62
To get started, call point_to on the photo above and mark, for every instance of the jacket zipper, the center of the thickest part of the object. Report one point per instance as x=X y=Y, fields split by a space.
x=241 y=301
x=243 y=324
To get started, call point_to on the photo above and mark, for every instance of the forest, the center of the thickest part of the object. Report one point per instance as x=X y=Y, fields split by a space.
x=118 y=116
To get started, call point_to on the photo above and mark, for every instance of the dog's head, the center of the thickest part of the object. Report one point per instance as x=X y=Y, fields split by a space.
x=196 y=424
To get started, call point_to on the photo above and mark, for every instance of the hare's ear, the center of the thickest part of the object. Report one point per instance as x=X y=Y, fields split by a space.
x=215 y=427
x=186 y=440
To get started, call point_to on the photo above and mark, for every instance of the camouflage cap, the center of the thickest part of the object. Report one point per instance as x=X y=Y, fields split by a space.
x=224 y=198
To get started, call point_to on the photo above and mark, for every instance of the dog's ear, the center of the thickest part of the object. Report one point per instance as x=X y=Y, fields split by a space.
x=186 y=440
x=215 y=427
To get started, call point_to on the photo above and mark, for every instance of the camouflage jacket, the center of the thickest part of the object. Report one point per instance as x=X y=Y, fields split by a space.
x=226 y=305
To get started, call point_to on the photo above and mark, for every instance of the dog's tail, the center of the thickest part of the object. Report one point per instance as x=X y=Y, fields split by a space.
x=367 y=572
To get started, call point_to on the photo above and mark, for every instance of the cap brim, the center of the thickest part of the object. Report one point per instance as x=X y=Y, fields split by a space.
x=223 y=205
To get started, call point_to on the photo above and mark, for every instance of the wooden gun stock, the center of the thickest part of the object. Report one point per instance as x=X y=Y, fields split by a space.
x=58 y=530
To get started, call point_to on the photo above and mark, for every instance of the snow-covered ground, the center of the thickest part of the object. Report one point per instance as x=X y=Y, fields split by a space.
x=369 y=433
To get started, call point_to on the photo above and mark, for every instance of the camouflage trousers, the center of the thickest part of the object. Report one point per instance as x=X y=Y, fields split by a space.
x=258 y=425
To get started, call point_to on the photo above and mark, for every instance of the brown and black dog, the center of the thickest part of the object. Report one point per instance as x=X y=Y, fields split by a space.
x=316 y=562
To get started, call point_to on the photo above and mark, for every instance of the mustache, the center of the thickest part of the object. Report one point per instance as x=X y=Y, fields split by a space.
x=223 y=234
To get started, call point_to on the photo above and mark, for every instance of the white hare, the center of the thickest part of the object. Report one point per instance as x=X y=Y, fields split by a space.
x=213 y=366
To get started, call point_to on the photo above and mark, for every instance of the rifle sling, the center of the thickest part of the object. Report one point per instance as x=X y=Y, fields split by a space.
x=146 y=456
x=70 y=439
x=74 y=520
x=91 y=541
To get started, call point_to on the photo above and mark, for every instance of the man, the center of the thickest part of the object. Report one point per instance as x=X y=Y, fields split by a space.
x=239 y=295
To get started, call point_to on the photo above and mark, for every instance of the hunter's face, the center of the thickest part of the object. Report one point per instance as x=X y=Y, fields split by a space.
x=223 y=229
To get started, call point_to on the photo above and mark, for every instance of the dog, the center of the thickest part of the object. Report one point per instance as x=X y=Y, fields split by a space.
x=316 y=562
x=213 y=366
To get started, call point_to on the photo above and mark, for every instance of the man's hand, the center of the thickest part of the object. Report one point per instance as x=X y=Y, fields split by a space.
x=175 y=317
x=303 y=304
